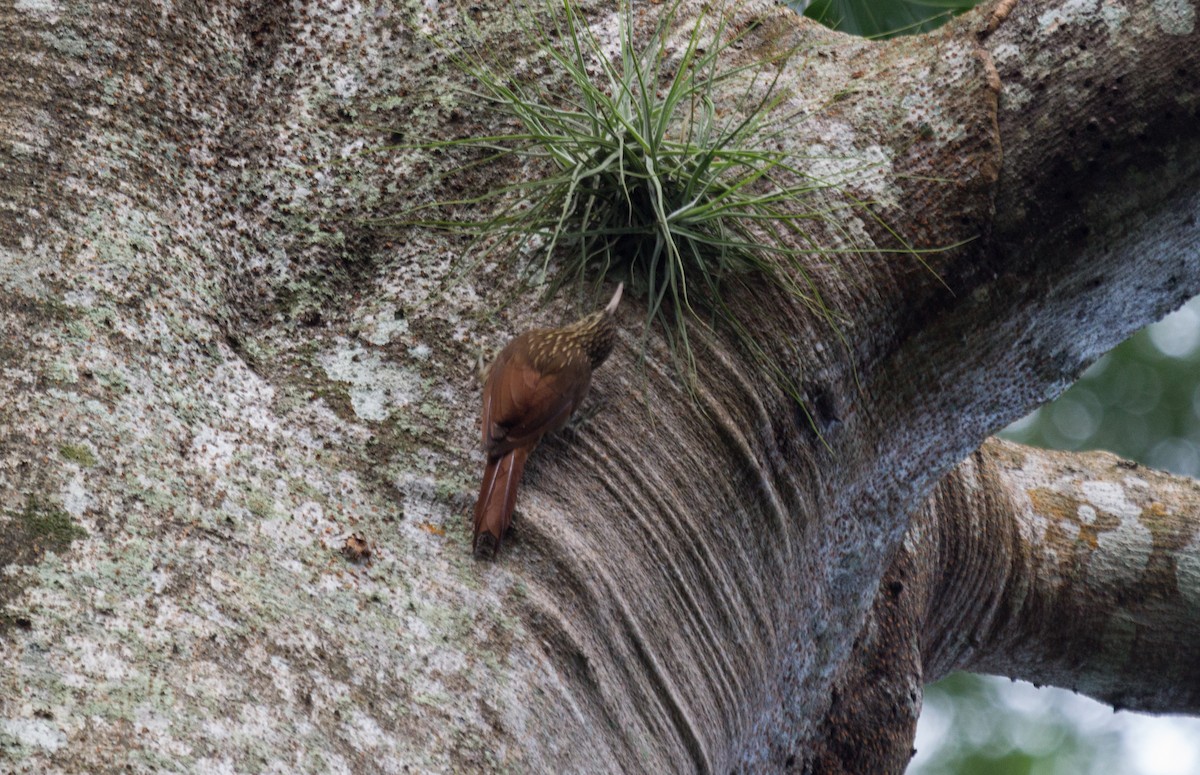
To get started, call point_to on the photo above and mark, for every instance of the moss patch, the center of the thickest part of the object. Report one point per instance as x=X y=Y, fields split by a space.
x=25 y=537
x=78 y=453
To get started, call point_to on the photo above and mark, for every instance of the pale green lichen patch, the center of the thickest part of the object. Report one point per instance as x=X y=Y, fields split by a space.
x=1176 y=17
x=1114 y=16
x=63 y=372
x=376 y=387
x=385 y=324
x=1070 y=12
x=31 y=733
x=1122 y=552
x=214 y=434
x=260 y=504
x=1187 y=572
x=1104 y=519
x=76 y=498
x=38 y=6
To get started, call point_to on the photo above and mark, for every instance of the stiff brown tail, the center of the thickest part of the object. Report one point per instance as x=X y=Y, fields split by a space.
x=498 y=494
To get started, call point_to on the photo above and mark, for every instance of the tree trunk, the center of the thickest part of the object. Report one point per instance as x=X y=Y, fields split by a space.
x=238 y=415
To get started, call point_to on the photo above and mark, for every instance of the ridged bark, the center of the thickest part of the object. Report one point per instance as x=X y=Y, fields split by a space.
x=218 y=372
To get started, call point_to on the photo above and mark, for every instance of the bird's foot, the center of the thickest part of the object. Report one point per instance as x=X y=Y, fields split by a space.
x=582 y=418
x=486 y=548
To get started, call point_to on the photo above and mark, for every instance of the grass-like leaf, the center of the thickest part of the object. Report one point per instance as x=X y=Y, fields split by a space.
x=644 y=176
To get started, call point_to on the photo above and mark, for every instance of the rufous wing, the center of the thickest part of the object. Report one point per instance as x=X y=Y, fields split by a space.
x=521 y=404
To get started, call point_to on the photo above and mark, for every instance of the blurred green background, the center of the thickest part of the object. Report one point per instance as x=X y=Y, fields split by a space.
x=883 y=18
x=1141 y=401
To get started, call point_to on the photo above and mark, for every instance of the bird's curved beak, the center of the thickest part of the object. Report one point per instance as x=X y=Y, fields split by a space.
x=616 y=299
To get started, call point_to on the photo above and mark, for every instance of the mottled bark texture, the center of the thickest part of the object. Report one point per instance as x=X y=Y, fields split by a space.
x=224 y=383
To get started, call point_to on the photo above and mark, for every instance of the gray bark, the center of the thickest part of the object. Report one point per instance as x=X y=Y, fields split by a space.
x=218 y=369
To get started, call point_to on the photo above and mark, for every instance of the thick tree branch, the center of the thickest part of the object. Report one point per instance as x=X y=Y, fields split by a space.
x=219 y=367
x=1052 y=281
x=1078 y=570
x=1073 y=570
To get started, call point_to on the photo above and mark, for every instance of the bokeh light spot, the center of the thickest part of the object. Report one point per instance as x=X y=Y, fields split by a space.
x=1178 y=334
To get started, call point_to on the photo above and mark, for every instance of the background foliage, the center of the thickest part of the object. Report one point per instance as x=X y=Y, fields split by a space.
x=1141 y=401
x=883 y=18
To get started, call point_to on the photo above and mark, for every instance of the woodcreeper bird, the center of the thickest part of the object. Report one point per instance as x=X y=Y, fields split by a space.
x=532 y=388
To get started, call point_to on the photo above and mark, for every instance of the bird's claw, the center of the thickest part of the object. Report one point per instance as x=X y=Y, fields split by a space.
x=584 y=415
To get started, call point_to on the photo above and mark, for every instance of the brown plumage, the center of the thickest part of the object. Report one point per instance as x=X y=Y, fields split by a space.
x=532 y=388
